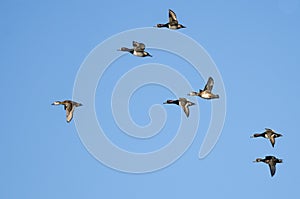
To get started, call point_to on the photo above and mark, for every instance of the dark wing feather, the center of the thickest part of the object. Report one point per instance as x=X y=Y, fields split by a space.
x=172 y=16
x=272 y=140
x=272 y=169
x=209 y=85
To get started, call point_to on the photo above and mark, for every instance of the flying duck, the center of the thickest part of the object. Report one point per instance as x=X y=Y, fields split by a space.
x=271 y=161
x=173 y=23
x=137 y=50
x=69 y=106
x=206 y=93
x=269 y=134
x=183 y=102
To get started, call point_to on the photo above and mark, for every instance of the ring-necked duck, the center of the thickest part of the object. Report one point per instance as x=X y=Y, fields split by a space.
x=206 y=93
x=69 y=106
x=183 y=102
x=271 y=161
x=173 y=23
x=137 y=50
x=269 y=134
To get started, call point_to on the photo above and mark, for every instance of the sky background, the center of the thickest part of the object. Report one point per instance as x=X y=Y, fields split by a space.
x=255 y=45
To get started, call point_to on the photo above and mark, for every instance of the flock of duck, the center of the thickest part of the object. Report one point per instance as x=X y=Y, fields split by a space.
x=139 y=50
x=270 y=160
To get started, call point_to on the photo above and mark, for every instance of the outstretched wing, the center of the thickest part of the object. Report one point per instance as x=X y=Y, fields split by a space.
x=138 y=46
x=209 y=85
x=272 y=140
x=135 y=43
x=269 y=130
x=272 y=169
x=184 y=105
x=172 y=16
x=69 y=112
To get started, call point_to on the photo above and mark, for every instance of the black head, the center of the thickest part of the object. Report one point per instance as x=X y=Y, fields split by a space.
x=169 y=102
x=258 y=160
x=255 y=135
x=172 y=102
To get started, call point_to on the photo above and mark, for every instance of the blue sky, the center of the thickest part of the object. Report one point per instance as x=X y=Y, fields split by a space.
x=255 y=45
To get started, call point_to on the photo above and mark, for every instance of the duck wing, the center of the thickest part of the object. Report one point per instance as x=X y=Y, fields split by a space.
x=269 y=130
x=172 y=17
x=138 y=46
x=183 y=103
x=209 y=85
x=272 y=140
x=272 y=169
x=186 y=110
x=69 y=112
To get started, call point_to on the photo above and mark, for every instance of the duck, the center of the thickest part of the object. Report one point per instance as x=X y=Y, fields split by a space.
x=206 y=92
x=137 y=50
x=69 y=106
x=269 y=134
x=271 y=161
x=173 y=23
x=184 y=103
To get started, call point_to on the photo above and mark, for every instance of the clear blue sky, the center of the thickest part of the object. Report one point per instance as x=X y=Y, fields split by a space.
x=255 y=45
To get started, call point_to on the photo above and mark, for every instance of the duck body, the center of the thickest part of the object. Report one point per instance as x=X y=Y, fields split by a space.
x=173 y=22
x=137 y=50
x=170 y=26
x=183 y=103
x=271 y=161
x=206 y=93
x=268 y=134
x=69 y=106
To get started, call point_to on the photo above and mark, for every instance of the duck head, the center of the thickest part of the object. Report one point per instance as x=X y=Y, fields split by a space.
x=160 y=25
x=258 y=160
x=171 y=102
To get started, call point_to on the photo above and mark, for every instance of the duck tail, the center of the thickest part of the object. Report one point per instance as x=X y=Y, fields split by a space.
x=216 y=96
